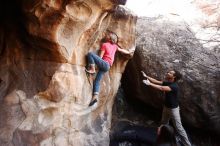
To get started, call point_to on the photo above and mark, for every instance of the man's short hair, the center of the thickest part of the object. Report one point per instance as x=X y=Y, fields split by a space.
x=177 y=75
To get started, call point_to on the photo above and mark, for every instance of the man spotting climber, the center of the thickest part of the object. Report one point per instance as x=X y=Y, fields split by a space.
x=103 y=61
x=171 y=107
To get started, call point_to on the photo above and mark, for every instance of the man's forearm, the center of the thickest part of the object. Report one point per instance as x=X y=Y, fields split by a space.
x=154 y=80
x=158 y=87
x=151 y=79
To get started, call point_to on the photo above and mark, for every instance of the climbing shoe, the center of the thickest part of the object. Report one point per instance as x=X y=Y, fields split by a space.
x=93 y=102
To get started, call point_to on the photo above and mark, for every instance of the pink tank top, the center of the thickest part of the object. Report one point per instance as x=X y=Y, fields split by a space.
x=109 y=50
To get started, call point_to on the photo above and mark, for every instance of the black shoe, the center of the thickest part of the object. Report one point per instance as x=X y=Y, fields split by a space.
x=92 y=102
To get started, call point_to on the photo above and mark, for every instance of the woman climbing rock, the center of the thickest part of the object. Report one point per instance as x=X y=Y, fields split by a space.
x=103 y=61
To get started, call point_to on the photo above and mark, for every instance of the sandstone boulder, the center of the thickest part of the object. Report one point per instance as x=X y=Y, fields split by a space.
x=163 y=44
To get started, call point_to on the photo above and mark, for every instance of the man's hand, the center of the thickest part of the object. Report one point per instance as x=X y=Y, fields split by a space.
x=146 y=82
x=144 y=75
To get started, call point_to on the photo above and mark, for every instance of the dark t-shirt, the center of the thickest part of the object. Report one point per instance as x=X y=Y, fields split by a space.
x=171 y=97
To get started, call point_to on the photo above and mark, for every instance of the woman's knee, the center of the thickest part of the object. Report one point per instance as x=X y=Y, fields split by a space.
x=90 y=54
x=106 y=68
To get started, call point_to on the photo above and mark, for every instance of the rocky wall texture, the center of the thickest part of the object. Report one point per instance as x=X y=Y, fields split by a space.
x=44 y=91
x=163 y=44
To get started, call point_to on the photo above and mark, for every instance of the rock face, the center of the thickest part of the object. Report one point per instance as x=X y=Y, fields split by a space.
x=162 y=45
x=44 y=91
